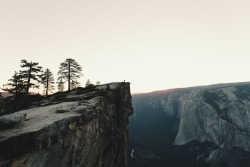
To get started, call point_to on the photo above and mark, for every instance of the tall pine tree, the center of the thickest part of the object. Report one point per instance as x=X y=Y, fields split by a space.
x=30 y=74
x=70 y=71
x=60 y=85
x=47 y=80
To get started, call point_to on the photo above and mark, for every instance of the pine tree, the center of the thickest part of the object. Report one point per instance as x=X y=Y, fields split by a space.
x=17 y=87
x=47 y=80
x=74 y=84
x=88 y=83
x=16 y=84
x=30 y=73
x=60 y=85
x=69 y=71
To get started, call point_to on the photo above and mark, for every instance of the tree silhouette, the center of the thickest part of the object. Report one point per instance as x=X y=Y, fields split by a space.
x=88 y=83
x=60 y=85
x=69 y=71
x=74 y=84
x=15 y=85
x=47 y=80
x=30 y=73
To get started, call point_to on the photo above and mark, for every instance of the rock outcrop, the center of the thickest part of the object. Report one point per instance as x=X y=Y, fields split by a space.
x=212 y=123
x=218 y=115
x=86 y=127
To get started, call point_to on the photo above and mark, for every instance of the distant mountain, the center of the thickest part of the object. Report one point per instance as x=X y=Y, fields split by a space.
x=198 y=126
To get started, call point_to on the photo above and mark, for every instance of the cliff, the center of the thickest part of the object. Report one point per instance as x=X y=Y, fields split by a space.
x=85 y=127
x=204 y=126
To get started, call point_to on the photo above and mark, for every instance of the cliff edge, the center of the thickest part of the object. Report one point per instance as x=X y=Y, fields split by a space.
x=85 y=127
x=198 y=126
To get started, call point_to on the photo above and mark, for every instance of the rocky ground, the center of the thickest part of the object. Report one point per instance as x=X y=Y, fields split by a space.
x=84 y=127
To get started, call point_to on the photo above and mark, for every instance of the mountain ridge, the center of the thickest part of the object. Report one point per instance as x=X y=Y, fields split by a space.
x=213 y=121
x=217 y=85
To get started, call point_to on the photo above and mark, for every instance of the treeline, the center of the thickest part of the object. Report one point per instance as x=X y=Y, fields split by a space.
x=32 y=75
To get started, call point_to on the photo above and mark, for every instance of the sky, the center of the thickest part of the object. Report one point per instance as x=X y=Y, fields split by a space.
x=154 y=44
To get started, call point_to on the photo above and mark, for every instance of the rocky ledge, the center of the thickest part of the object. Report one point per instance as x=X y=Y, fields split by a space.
x=85 y=127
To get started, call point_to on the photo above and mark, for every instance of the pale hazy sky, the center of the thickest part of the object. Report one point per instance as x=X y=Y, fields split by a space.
x=154 y=44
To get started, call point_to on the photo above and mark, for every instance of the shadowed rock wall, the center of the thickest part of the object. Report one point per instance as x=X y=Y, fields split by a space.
x=199 y=126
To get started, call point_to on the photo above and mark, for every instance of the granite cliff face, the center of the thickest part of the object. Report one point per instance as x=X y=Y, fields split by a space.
x=200 y=126
x=219 y=116
x=86 y=127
